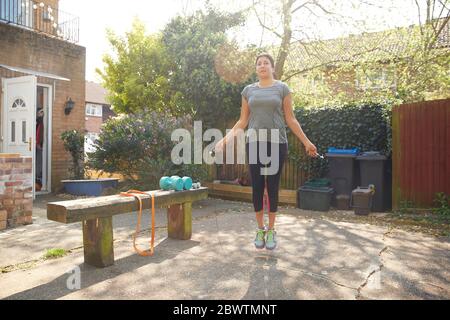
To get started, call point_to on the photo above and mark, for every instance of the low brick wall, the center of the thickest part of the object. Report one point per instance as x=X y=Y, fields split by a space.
x=16 y=197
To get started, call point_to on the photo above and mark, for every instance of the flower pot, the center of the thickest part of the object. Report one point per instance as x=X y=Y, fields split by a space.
x=89 y=187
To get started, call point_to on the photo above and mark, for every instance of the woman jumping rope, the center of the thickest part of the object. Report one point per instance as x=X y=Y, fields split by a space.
x=267 y=104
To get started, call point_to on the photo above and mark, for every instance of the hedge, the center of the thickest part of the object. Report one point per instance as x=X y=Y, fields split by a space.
x=365 y=126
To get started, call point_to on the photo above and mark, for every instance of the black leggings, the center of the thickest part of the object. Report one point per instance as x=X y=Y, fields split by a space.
x=259 y=180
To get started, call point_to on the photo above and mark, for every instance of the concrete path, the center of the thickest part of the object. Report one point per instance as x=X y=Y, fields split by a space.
x=316 y=259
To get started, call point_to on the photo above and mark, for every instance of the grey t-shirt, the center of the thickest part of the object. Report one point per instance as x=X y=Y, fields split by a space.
x=266 y=108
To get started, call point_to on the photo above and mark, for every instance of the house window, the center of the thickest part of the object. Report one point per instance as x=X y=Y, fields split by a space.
x=18 y=103
x=94 y=110
x=380 y=78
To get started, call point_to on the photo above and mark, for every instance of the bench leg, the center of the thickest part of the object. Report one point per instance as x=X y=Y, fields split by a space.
x=98 y=242
x=179 y=221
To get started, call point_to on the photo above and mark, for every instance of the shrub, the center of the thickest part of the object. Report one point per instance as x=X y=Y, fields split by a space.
x=74 y=143
x=442 y=202
x=365 y=126
x=139 y=147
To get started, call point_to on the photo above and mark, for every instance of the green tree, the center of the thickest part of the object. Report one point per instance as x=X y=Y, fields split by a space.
x=406 y=64
x=196 y=45
x=190 y=69
x=138 y=73
x=403 y=66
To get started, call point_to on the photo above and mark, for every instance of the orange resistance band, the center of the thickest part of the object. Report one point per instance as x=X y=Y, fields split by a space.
x=133 y=193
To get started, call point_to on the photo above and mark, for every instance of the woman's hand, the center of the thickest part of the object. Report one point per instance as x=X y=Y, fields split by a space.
x=311 y=149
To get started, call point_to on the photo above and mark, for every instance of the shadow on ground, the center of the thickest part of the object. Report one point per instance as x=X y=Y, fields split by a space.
x=90 y=276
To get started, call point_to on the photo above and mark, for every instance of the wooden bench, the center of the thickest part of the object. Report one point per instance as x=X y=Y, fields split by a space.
x=96 y=217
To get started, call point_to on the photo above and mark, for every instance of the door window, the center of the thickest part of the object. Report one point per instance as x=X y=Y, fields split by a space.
x=24 y=131
x=18 y=103
x=13 y=131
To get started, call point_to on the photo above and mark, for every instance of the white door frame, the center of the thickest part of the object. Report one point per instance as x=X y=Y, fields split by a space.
x=48 y=137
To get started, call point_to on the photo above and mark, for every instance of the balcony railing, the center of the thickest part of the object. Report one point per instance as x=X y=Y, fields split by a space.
x=40 y=17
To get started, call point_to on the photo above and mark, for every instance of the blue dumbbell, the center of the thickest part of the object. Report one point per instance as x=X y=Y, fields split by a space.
x=171 y=183
x=177 y=183
x=165 y=183
x=187 y=183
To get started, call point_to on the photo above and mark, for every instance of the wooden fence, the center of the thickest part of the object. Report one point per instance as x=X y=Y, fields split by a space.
x=420 y=153
x=292 y=176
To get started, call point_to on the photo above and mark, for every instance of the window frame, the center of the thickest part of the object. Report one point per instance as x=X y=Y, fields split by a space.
x=93 y=106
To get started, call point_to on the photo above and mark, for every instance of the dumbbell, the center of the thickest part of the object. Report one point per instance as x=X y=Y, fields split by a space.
x=187 y=183
x=196 y=185
x=175 y=183
x=171 y=183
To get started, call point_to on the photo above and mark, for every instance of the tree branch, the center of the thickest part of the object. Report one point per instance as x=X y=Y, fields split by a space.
x=438 y=32
x=316 y=3
x=420 y=19
x=442 y=10
x=311 y=11
x=432 y=10
x=263 y=25
x=321 y=7
x=300 y=6
x=428 y=11
x=444 y=5
x=324 y=64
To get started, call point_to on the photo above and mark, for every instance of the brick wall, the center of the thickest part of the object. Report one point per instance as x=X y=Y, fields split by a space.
x=16 y=197
x=46 y=25
x=340 y=82
x=30 y=50
x=93 y=124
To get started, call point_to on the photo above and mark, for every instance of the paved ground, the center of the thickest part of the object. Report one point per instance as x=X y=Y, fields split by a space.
x=316 y=259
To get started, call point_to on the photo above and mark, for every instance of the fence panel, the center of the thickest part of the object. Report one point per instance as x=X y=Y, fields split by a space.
x=420 y=152
x=292 y=176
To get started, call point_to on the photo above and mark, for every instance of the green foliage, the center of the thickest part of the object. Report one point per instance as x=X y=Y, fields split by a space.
x=196 y=44
x=364 y=126
x=406 y=206
x=189 y=69
x=74 y=143
x=55 y=253
x=138 y=74
x=416 y=71
x=442 y=201
x=139 y=146
x=423 y=72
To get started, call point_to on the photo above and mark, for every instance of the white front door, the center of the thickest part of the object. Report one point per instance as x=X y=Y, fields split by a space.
x=19 y=116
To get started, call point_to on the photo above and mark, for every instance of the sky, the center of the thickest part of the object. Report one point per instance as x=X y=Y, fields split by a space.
x=98 y=15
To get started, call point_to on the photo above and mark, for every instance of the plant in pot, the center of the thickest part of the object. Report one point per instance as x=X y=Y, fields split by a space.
x=74 y=144
x=79 y=184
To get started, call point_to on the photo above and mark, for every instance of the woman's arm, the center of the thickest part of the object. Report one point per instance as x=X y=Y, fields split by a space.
x=242 y=123
x=294 y=125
